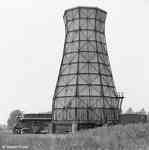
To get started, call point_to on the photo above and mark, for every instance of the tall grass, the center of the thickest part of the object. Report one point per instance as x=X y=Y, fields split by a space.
x=129 y=137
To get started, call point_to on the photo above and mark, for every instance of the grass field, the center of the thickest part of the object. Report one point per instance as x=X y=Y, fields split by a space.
x=129 y=137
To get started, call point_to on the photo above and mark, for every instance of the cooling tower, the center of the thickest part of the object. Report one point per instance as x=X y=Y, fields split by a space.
x=85 y=95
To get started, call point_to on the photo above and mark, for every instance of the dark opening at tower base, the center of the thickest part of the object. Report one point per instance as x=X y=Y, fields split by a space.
x=67 y=127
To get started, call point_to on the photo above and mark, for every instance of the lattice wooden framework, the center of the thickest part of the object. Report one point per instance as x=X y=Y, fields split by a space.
x=85 y=90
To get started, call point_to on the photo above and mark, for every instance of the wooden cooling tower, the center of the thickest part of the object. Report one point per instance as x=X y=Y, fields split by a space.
x=85 y=95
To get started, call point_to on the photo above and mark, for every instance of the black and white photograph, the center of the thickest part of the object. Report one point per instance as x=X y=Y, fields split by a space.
x=74 y=75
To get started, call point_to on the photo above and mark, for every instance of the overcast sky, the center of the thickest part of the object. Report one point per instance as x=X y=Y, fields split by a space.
x=31 y=45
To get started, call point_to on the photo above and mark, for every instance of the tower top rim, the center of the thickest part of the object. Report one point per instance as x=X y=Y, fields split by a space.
x=85 y=7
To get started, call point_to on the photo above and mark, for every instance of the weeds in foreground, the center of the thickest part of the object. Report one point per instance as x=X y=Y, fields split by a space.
x=129 y=137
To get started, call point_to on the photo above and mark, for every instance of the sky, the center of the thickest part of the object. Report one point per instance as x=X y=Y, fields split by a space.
x=31 y=45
